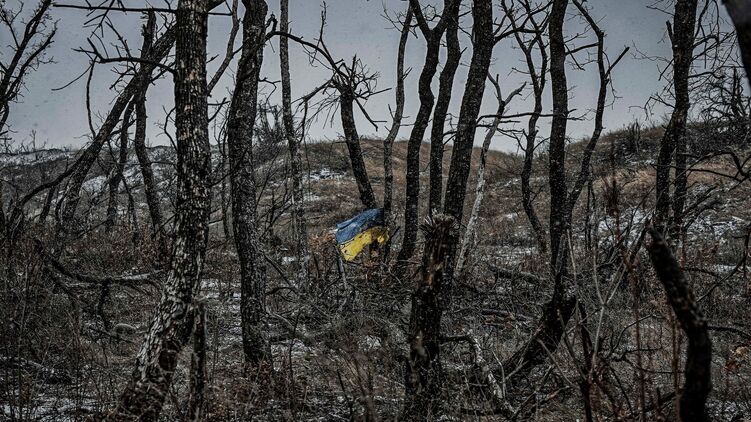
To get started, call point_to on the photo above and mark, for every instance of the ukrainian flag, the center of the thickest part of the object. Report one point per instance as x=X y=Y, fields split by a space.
x=359 y=231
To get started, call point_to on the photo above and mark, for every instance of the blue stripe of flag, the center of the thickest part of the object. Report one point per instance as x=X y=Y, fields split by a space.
x=347 y=230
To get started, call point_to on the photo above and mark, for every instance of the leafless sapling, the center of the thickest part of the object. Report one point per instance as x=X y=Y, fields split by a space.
x=293 y=142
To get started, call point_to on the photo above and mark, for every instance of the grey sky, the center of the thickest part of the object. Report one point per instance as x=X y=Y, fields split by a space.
x=354 y=27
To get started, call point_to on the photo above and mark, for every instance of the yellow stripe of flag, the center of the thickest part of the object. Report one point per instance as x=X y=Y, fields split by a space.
x=352 y=248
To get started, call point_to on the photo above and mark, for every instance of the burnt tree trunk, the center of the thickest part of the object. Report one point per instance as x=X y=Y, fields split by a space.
x=51 y=194
x=604 y=70
x=139 y=145
x=527 y=194
x=673 y=140
x=425 y=93
x=116 y=174
x=445 y=86
x=388 y=142
x=538 y=79
x=147 y=174
x=240 y=125
x=545 y=338
x=88 y=157
x=197 y=399
x=740 y=14
x=461 y=158
x=684 y=21
x=557 y=151
x=698 y=371
x=423 y=374
x=293 y=143
x=172 y=323
x=560 y=308
x=352 y=139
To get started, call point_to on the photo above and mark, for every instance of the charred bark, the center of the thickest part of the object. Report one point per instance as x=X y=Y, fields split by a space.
x=388 y=142
x=423 y=373
x=461 y=158
x=139 y=145
x=740 y=14
x=197 y=399
x=557 y=152
x=538 y=79
x=352 y=139
x=240 y=125
x=51 y=193
x=116 y=174
x=483 y=42
x=698 y=370
x=293 y=144
x=674 y=139
x=89 y=155
x=545 y=339
x=445 y=87
x=425 y=93
x=172 y=323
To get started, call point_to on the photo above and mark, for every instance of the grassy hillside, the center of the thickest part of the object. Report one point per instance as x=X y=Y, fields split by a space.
x=339 y=343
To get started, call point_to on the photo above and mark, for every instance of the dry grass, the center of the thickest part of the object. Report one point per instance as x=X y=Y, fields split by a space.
x=344 y=356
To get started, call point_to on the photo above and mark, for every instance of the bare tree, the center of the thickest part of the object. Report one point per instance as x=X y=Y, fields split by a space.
x=354 y=84
x=172 y=323
x=469 y=233
x=740 y=13
x=139 y=142
x=484 y=39
x=425 y=92
x=26 y=53
x=90 y=154
x=293 y=142
x=538 y=78
x=698 y=370
x=437 y=135
x=557 y=149
x=118 y=167
x=681 y=35
x=240 y=125
x=559 y=309
x=604 y=71
x=388 y=141
x=423 y=372
x=456 y=186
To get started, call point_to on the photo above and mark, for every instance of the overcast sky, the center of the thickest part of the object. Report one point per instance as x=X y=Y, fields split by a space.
x=354 y=27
